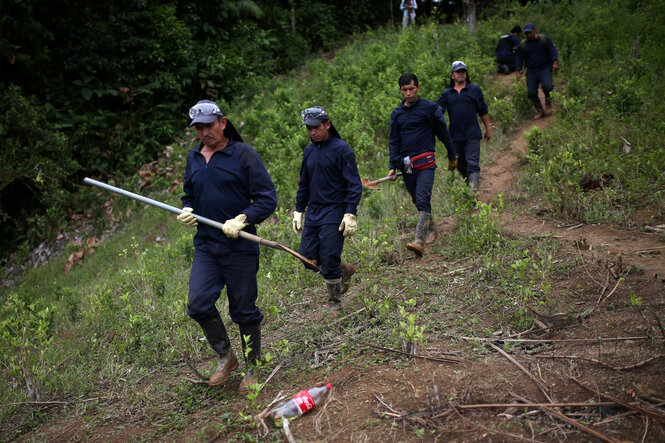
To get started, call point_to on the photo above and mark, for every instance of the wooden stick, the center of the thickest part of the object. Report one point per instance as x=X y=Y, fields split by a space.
x=189 y=363
x=382 y=348
x=607 y=365
x=627 y=405
x=274 y=371
x=577 y=424
x=287 y=431
x=201 y=219
x=523 y=369
x=553 y=340
x=555 y=414
x=649 y=249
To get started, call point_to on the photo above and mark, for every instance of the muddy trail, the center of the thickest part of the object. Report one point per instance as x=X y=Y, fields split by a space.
x=591 y=370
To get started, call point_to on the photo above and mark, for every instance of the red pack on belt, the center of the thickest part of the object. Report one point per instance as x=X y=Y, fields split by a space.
x=423 y=161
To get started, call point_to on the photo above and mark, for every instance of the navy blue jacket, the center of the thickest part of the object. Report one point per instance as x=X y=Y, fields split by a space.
x=412 y=131
x=536 y=54
x=502 y=49
x=463 y=109
x=234 y=181
x=329 y=184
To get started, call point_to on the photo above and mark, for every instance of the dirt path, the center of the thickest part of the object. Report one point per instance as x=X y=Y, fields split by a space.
x=637 y=248
x=381 y=395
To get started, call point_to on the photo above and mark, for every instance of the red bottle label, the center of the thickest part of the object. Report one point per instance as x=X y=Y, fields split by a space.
x=304 y=401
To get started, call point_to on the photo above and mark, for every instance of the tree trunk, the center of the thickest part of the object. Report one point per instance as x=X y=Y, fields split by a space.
x=292 y=4
x=470 y=14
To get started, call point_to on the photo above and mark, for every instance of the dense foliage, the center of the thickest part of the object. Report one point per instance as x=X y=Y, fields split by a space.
x=112 y=81
x=120 y=317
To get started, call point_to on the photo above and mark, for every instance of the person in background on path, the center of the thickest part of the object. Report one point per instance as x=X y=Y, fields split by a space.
x=540 y=56
x=225 y=180
x=506 y=49
x=330 y=190
x=464 y=102
x=414 y=124
x=409 y=12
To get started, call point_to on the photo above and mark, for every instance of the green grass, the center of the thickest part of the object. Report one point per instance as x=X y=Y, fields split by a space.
x=116 y=325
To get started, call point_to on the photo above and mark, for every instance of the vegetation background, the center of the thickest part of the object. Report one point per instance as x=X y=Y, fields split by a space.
x=104 y=93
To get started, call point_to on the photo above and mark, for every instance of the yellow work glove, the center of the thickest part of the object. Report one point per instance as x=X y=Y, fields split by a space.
x=349 y=225
x=187 y=218
x=233 y=226
x=298 y=220
x=452 y=164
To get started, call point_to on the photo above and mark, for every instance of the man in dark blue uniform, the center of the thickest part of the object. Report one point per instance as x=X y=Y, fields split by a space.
x=464 y=102
x=413 y=126
x=506 y=49
x=330 y=190
x=541 y=58
x=225 y=180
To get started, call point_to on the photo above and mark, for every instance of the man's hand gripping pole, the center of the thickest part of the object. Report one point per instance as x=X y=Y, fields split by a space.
x=201 y=219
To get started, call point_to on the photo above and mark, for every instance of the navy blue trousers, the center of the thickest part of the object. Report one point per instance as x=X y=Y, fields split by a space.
x=419 y=185
x=542 y=77
x=324 y=244
x=469 y=156
x=211 y=272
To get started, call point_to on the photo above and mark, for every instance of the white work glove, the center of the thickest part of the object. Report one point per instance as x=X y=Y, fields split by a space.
x=233 y=226
x=298 y=220
x=187 y=218
x=349 y=225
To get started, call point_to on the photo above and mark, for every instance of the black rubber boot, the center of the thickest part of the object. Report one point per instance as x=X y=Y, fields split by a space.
x=540 y=112
x=334 y=290
x=473 y=181
x=418 y=244
x=430 y=229
x=253 y=331
x=215 y=333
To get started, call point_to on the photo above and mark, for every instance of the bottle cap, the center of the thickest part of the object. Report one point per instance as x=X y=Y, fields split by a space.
x=329 y=386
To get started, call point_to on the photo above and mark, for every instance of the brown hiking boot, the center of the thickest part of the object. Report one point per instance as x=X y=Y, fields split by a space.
x=417 y=246
x=225 y=366
x=348 y=269
x=248 y=380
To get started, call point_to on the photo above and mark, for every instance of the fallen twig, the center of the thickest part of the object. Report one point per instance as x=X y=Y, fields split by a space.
x=386 y=405
x=555 y=340
x=444 y=360
x=190 y=365
x=260 y=417
x=274 y=371
x=557 y=415
x=523 y=369
x=627 y=405
x=287 y=431
x=649 y=249
x=607 y=365
x=577 y=424
x=52 y=403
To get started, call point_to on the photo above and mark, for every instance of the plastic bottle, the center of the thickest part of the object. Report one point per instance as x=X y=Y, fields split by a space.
x=299 y=404
x=407 y=165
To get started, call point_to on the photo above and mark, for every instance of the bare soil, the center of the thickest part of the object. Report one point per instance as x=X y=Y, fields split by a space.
x=381 y=395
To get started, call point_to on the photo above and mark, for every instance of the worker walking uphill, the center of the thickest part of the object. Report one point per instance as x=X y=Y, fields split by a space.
x=225 y=180
x=540 y=56
x=330 y=190
x=413 y=126
x=464 y=102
